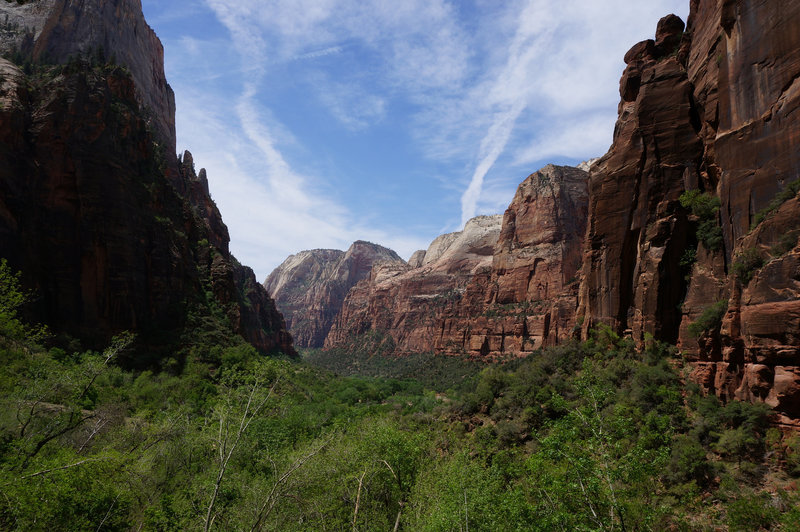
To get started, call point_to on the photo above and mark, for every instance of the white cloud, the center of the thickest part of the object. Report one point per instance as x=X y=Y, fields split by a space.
x=574 y=137
x=563 y=64
x=330 y=50
x=524 y=81
x=261 y=198
x=351 y=105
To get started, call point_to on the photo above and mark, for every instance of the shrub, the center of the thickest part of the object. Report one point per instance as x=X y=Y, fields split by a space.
x=688 y=258
x=746 y=265
x=752 y=513
x=710 y=319
x=702 y=205
x=738 y=443
x=12 y=298
x=785 y=244
x=793 y=455
x=688 y=462
x=786 y=194
x=705 y=207
x=710 y=234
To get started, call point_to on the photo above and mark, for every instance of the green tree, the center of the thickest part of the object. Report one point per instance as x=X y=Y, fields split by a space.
x=12 y=298
x=706 y=208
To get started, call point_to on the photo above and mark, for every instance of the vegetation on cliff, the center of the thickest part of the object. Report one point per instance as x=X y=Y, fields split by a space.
x=584 y=436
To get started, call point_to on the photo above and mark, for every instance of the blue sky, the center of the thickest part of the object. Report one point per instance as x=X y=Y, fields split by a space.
x=321 y=122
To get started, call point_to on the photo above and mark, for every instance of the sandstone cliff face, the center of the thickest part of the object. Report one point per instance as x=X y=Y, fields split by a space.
x=112 y=230
x=54 y=31
x=527 y=299
x=309 y=287
x=638 y=230
x=503 y=286
x=403 y=302
x=715 y=109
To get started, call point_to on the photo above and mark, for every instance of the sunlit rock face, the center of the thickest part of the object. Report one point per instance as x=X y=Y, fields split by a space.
x=112 y=230
x=403 y=301
x=309 y=287
x=56 y=31
x=503 y=286
x=715 y=108
x=527 y=298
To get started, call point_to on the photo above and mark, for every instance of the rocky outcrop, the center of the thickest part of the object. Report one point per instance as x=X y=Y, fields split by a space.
x=403 y=302
x=248 y=308
x=57 y=31
x=110 y=229
x=503 y=286
x=309 y=287
x=638 y=230
x=527 y=299
x=417 y=258
x=714 y=109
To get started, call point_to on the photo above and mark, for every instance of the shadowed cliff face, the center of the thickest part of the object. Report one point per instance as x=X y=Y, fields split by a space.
x=111 y=229
x=88 y=215
x=309 y=287
x=503 y=286
x=638 y=229
x=714 y=109
x=85 y=213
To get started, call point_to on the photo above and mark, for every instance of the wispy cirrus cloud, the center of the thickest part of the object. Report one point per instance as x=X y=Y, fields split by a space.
x=423 y=99
x=330 y=50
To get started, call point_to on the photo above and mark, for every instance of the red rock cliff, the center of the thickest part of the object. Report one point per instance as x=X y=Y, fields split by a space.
x=111 y=229
x=404 y=302
x=713 y=109
x=309 y=287
x=503 y=286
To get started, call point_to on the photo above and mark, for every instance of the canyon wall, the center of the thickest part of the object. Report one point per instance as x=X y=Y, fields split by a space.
x=503 y=286
x=691 y=224
x=56 y=31
x=110 y=229
x=713 y=110
x=403 y=302
x=309 y=287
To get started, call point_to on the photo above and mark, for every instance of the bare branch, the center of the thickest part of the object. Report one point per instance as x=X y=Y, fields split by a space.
x=271 y=500
x=225 y=451
x=358 y=499
x=47 y=471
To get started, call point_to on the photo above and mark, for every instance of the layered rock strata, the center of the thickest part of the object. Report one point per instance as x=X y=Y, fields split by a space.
x=108 y=31
x=502 y=287
x=309 y=287
x=404 y=302
x=714 y=109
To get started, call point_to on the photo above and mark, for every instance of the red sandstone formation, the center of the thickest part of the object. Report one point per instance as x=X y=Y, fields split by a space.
x=309 y=287
x=403 y=302
x=492 y=290
x=528 y=298
x=715 y=109
x=108 y=226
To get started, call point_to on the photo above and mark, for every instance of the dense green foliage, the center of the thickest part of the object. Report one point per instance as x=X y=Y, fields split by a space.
x=706 y=208
x=581 y=437
x=746 y=264
x=12 y=298
x=709 y=320
x=364 y=356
